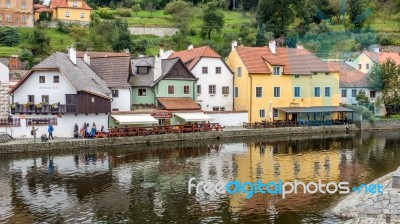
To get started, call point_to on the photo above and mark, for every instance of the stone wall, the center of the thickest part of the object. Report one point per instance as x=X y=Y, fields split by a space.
x=153 y=31
x=379 y=124
x=107 y=142
x=4 y=100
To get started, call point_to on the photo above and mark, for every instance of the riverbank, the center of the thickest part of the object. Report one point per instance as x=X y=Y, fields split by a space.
x=372 y=208
x=26 y=145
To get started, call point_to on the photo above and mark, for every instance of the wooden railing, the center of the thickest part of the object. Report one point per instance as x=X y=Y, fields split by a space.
x=281 y=124
x=10 y=122
x=41 y=121
x=44 y=109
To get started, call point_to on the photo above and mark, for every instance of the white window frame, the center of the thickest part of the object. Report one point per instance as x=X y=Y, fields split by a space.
x=276 y=68
x=341 y=93
x=220 y=70
x=8 y=18
x=67 y=14
x=273 y=91
x=197 y=89
x=294 y=92
x=188 y=89
x=259 y=113
x=225 y=94
x=353 y=91
x=330 y=92
x=82 y=15
x=215 y=90
x=259 y=97
x=239 y=71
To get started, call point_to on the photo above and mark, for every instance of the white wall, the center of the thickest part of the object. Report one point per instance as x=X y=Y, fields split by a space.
x=229 y=119
x=206 y=100
x=123 y=101
x=4 y=97
x=63 y=129
x=4 y=73
x=56 y=91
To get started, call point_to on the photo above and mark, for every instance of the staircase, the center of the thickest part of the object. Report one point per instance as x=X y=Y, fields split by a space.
x=4 y=137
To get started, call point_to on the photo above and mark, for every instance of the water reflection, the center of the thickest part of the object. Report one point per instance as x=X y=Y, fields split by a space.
x=149 y=184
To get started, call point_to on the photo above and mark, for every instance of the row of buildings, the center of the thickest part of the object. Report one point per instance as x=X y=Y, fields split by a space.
x=23 y=13
x=253 y=84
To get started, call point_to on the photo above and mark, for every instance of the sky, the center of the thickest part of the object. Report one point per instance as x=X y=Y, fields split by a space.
x=46 y=2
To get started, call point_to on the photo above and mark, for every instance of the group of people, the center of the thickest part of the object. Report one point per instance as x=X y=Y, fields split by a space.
x=43 y=137
x=86 y=131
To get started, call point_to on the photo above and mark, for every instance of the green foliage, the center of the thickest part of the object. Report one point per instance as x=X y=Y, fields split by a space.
x=363 y=99
x=105 y=13
x=39 y=43
x=136 y=8
x=247 y=34
x=44 y=16
x=180 y=10
x=9 y=37
x=213 y=19
x=362 y=111
x=261 y=39
x=151 y=5
x=367 y=39
x=375 y=78
x=122 y=12
x=358 y=13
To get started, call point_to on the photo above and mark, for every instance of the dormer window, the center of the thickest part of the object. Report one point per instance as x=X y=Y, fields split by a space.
x=277 y=70
x=142 y=70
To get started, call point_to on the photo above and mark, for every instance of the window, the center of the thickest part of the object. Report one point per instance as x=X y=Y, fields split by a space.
x=8 y=18
x=344 y=92
x=297 y=76
x=186 y=90
x=367 y=66
x=296 y=92
x=277 y=91
x=74 y=4
x=42 y=79
x=23 y=19
x=198 y=89
x=372 y=94
x=45 y=99
x=217 y=70
x=115 y=93
x=31 y=98
x=353 y=93
x=327 y=91
x=215 y=108
x=359 y=66
x=211 y=89
x=171 y=90
x=56 y=79
x=236 y=92
x=66 y=14
x=82 y=15
x=239 y=72
x=258 y=92
x=277 y=70
x=317 y=91
x=142 y=70
x=222 y=108
x=114 y=109
x=262 y=113
x=93 y=100
x=142 y=92
x=204 y=70
x=225 y=90
x=23 y=5
x=275 y=111
x=8 y=4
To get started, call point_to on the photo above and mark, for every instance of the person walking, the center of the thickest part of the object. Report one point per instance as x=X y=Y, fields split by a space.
x=50 y=129
x=33 y=133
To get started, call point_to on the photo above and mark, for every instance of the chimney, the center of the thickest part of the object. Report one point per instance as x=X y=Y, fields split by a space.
x=272 y=46
x=86 y=58
x=234 y=44
x=376 y=49
x=190 y=47
x=299 y=46
x=72 y=54
x=157 y=68
x=161 y=53
x=127 y=51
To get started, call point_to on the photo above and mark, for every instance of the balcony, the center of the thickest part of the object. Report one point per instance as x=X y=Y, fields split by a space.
x=44 y=109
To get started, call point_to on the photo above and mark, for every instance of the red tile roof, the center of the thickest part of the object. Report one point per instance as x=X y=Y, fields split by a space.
x=178 y=103
x=295 y=61
x=349 y=76
x=64 y=4
x=383 y=56
x=38 y=6
x=191 y=57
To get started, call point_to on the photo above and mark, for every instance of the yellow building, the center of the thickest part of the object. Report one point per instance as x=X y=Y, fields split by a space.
x=284 y=84
x=71 y=11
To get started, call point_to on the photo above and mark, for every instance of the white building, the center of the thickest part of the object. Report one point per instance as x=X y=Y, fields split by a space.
x=215 y=79
x=114 y=68
x=61 y=90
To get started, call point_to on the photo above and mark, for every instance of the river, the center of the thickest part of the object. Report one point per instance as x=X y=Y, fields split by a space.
x=149 y=184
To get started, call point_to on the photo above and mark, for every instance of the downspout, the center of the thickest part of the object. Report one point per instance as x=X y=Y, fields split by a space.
x=251 y=95
x=234 y=92
x=130 y=98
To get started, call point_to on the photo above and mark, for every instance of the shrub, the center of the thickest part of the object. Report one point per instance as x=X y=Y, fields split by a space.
x=105 y=13
x=9 y=37
x=362 y=111
x=123 y=12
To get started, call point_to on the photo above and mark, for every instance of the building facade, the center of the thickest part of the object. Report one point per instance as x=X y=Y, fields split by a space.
x=63 y=91
x=16 y=13
x=77 y=11
x=215 y=79
x=367 y=59
x=4 y=88
x=269 y=80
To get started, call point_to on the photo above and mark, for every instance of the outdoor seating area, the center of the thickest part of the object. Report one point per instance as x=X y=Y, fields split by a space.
x=158 y=130
x=281 y=124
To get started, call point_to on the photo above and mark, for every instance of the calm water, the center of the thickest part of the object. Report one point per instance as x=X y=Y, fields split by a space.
x=149 y=184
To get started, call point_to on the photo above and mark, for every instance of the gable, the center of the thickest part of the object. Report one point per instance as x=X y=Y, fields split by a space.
x=179 y=71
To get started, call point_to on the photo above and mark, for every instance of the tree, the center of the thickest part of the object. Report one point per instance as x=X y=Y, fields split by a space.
x=151 y=5
x=180 y=10
x=9 y=37
x=357 y=13
x=261 y=39
x=136 y=8
x=213 y=19
x=123 y=41
x=39 y=42
x=277 y=16
x=363 y=99
x=38 y=2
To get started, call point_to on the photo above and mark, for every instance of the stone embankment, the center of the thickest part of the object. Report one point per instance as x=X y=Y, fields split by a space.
x=29 y=146
x=373 y=208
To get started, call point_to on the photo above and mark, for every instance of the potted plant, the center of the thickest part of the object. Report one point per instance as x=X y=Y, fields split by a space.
x=28 y=104
x=38 y=105
x=54 y=106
